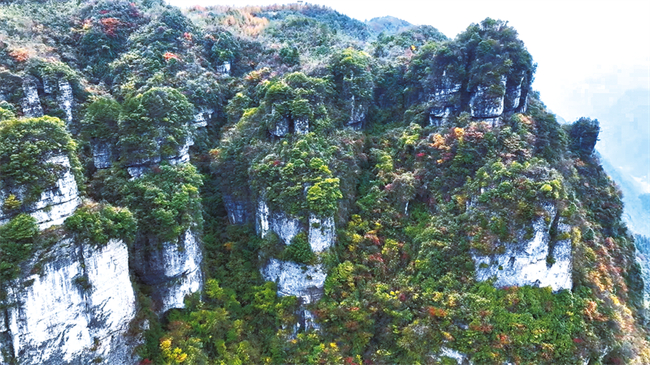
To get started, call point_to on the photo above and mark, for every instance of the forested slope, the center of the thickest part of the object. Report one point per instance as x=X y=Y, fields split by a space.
x=286 y=185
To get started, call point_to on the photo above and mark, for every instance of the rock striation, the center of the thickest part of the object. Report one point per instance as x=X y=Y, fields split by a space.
x=65 y=98
x=303 y=281
x=526 y=263
x=31 y=103
x=56 y=203
x=75 y=310
x=172 y=269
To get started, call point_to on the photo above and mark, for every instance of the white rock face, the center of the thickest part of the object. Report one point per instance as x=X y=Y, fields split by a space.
x=526 y=264
x=172 y=269
x=358 y=113
x=301 y=126
x=292 y=279
x=65 y=99
x=262 y=225
x=51 y=319
x=201 y=118
x=224 y=69
x=513 y=97
x=281 y=128
x=47 y=86
x=138 y=168
x=284 y=225
x=322 y=233
x=303 y=281
x=453 y=354
x=31 y=103
x=483 y=106
x=57 y=203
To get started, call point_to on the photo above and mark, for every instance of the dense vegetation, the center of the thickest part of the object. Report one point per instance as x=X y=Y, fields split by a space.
x=320 y=114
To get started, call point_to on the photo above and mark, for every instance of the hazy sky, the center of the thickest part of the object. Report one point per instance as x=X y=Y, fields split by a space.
x=588 y=52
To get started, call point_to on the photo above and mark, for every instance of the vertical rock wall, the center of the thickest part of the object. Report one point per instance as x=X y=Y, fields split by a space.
x=172 y=269
x=526 y=263
x=31 y=104
x=56 y=203
x=303 y=281
x=75 y=310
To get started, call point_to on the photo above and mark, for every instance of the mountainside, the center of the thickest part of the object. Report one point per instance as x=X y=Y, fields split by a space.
x=285 y=184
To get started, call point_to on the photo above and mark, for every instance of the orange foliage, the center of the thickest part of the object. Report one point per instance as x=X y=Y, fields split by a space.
x=168 y=56
x=110 y=26
x=437 y=312
x=19 y=54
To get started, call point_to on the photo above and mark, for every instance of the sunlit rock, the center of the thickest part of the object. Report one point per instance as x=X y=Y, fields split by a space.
x=102 y=155
x=75 y=310
x=358 y=113
x=322 y=233
x=301 y=126
x=303 y=281
x=487 y=102
x=65 y=99
x=31 y=104
x=56 y=203
x=224 y=68
x=526 y=263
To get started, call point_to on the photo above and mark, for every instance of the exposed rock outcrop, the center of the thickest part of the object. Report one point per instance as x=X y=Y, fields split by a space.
x=487 y=102
x=65 y=98
x=526 y=263
x=444 y=100
x=358 y=112
x=76 y=310
x=137 y=168
x=31 y=104
x=301 y=126
x=303 y=281
x=102 y=155
x=224 y=68
x=239 y=209
x=172 y=269
x=56 y=203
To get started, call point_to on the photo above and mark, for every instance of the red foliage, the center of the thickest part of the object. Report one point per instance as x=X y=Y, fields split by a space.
x=110 y=26
x=578 y=340
x=146 y=362
x=168 y=56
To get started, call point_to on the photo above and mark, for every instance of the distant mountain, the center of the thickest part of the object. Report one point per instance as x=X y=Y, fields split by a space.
x=388 y=25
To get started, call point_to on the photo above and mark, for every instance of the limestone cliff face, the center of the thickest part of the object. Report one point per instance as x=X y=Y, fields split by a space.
x=172 y=269
x=303 y=281
x=31 y=103
x=489 y=101
x=56 y=203
x=72 y=305
x=525 y=263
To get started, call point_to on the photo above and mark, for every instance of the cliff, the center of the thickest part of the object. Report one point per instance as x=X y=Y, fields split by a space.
x=281 y=184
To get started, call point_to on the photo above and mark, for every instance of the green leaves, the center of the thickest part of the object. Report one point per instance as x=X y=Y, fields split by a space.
x=25 y=146
x=17 y=238
x=154 y=122
x=99 y=223
x=323 y=196
x=166 y=202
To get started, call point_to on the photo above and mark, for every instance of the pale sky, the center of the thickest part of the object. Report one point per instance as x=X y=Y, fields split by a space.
x=588 y=52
